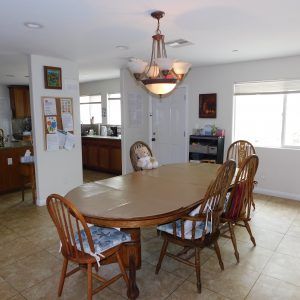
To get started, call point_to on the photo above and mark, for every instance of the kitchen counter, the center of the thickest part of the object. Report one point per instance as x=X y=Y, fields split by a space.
x=102 y=153
x=102 y=137
x=17 y=144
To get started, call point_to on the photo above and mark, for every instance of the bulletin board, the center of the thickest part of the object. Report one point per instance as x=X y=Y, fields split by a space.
x=58 y=123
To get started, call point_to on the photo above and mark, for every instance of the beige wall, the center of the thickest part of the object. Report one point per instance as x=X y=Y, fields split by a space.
x=278 y=169
x=56 y=171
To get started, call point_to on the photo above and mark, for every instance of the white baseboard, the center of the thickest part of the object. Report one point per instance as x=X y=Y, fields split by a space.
x=40 y=202
x=277 y=194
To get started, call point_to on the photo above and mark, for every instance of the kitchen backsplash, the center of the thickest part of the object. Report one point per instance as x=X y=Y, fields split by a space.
x=96 y=128
x=20 y=125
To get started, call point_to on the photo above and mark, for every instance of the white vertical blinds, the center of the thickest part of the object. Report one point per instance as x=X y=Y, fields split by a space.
x=267 y=87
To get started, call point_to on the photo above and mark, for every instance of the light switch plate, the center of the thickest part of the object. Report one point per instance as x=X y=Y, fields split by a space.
x=10 y=161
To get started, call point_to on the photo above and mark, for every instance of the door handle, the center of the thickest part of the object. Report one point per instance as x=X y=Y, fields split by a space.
x=153 y=139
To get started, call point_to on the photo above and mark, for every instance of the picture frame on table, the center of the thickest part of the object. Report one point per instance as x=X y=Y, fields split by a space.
x=208 y=105
x=52 y=77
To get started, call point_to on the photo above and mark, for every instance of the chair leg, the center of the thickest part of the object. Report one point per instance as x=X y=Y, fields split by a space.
x=252 y=202
x=233 y=239
x=122 y=268
x=89 y=282
x=162 y=254
x=250 y=232
x=218 y=252
x=62 y=276
x=197 y=266
x=23 y=189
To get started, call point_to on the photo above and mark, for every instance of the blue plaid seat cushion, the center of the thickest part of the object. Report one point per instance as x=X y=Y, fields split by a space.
x=188 y=234
x=103 y=238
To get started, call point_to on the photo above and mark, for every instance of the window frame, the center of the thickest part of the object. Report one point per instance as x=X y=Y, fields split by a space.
x=109 y=98
x=283 y=145
x=91 y=103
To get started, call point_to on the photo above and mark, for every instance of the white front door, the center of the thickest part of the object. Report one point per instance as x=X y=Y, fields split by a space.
x=169 y=141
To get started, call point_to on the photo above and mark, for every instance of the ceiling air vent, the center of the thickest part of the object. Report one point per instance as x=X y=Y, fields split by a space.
x=178 y=43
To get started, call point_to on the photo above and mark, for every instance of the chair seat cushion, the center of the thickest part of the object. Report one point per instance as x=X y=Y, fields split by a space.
x=187 y=234
x=103 y=238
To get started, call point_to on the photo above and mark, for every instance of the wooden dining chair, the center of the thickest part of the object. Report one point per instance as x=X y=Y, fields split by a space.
x=237 y=207
x=200 y=228
x=239 y=151
x=85 y=245
x=133 y=153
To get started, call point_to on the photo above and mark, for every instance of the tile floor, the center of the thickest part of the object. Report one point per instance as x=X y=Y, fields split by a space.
x=30 y=262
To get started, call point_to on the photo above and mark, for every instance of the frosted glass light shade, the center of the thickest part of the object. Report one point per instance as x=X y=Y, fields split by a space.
x=159 y=86
x=165 y=63
x=137 y=66
x=181 y=67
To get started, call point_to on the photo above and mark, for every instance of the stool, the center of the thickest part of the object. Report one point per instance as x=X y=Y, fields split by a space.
x=28 y=179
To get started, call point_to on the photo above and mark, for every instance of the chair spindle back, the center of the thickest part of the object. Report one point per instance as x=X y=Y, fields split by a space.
x=239 y=151
x=240 y=201
x=69 y=222
x=215 y=195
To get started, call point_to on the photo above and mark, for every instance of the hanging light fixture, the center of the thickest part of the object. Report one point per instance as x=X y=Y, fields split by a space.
x=162 y=74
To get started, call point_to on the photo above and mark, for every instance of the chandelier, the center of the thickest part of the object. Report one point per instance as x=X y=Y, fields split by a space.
x=162 y=74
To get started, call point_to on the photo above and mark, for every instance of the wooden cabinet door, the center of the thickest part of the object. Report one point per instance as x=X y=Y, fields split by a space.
x=104 y=157
x=10 y=178
x=3 y=171
x=116 y=160
x=92 y=156
x=20 y=101
x=15 y=179
x=84 y=154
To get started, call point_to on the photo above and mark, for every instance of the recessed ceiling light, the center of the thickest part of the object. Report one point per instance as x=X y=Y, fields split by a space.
x=235 y=50
x=33 y=25
x=9 y=75
x=122 y=47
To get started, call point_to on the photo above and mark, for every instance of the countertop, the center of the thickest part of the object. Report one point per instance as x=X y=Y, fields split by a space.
x=17 y=144
x=102 y=137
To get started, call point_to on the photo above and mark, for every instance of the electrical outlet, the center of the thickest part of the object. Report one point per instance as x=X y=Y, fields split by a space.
x=10 y=161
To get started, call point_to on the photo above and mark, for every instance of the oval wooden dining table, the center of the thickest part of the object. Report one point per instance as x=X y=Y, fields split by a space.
x=141 y=199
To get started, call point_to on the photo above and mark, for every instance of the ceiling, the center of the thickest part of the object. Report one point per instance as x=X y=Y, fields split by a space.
x=88 y=31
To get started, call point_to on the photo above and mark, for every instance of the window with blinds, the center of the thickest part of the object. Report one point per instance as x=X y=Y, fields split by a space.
x=114 y=109
x=90 y=108
x=267 y=113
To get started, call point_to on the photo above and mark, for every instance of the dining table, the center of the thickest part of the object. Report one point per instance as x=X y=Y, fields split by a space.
x=141 y=199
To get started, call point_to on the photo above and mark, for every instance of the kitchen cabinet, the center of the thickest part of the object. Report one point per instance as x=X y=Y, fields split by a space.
x=206 y=147
x=19 y=101
x=10 y=178
x=102 y=154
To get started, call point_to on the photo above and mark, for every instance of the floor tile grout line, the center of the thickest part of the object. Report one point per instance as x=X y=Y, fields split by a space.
x=253 y=285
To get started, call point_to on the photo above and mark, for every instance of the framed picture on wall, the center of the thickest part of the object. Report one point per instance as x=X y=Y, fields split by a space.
x=208 y=105
x=52 y=77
